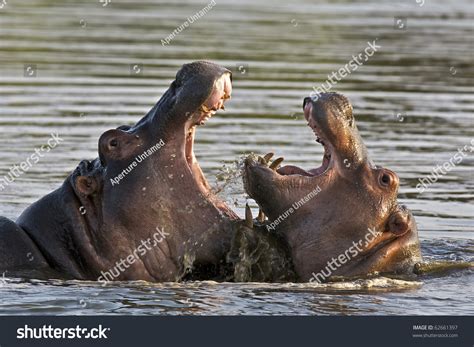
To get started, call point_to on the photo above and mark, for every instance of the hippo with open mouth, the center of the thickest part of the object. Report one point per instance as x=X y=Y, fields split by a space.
x=342 y=218
x=143 y=209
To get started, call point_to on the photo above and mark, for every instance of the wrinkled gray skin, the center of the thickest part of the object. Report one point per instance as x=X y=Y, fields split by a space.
x=87 y=225
x=355 y=196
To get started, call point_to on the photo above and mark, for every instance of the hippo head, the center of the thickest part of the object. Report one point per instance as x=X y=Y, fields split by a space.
x=159 y=149
x=147 y=177
x=341 y=218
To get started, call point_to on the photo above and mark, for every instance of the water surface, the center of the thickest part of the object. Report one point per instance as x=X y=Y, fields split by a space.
x=413 y=102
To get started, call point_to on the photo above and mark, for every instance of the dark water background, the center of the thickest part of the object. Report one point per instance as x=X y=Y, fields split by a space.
x=413 y=102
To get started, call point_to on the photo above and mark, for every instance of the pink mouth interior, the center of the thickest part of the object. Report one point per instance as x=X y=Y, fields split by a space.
x=295 y=170
x=221 y=93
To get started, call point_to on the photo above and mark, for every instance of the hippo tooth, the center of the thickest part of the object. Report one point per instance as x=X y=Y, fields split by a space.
x=261 y=216
x=248 y=216
x=205 y=109
x=277 y=162
x=268 y=156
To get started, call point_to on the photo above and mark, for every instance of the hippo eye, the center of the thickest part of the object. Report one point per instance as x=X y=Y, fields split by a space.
x=385 y=179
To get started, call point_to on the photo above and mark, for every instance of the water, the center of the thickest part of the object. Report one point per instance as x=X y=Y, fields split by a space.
x=413 y=102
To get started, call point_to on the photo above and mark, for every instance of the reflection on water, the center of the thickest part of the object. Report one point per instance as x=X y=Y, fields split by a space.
x=71 y=68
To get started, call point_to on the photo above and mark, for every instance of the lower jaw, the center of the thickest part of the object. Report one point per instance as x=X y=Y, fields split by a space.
x=324 y=166
x=391 y=259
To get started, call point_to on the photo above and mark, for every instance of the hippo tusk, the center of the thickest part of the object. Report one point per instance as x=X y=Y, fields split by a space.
x=262 y=160
x=268 y=156
x=261 y=216
x=248 y=217
x=276 y=163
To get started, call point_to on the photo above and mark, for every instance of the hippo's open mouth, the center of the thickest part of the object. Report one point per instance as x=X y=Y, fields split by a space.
x=215 y=102
x=320 y=138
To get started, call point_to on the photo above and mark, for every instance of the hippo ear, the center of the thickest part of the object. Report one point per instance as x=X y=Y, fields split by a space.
x=86 y=185
x=399 y=223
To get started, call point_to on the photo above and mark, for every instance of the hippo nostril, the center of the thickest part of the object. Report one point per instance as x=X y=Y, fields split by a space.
x=113 y=143
x=399 y=223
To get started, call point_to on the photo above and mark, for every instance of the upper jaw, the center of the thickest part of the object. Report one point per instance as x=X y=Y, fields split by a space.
x=215 y=101
x=221 y=93
x=331 y=118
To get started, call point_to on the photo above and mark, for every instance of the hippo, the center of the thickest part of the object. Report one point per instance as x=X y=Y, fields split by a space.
x=143 y=209
x=341 y=219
